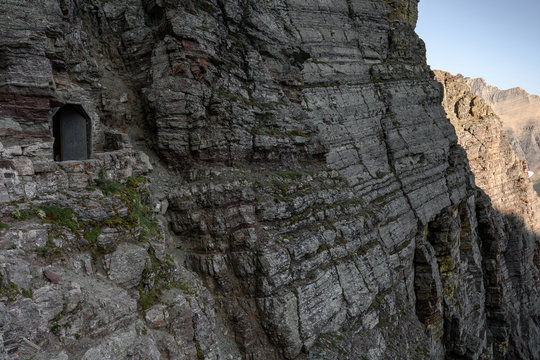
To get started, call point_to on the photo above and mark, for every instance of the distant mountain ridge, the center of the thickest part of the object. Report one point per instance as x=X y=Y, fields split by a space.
x=519 y=112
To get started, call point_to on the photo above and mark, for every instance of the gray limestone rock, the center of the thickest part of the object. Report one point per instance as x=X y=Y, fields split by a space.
x=309 y=197
x=126 y=264
x=124 y=345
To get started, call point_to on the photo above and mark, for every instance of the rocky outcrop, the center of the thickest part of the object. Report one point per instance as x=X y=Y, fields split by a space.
x=82 y=259
x=497 y=169
x=520 y=115
x=309 y=198
x=504 y=179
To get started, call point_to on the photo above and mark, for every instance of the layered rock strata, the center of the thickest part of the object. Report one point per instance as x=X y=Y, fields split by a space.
x=82 y=256
x=504 y=179
x=308 y=189
x=520 y=115
x=497 y=169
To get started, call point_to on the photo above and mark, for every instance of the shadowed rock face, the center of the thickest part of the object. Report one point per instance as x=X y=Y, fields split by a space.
x=504 y=178
x=306 y=175
x=519 y=112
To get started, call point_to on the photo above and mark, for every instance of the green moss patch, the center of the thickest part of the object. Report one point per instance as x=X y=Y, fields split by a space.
x=93 y=234
x=61 y=216
x=149 y=298
x=135 y=196
x=162 y=280
x=29 y=293
x=11 y=291
x=20 y=214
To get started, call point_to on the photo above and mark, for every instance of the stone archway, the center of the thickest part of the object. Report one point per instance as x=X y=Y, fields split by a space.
x=71 y=131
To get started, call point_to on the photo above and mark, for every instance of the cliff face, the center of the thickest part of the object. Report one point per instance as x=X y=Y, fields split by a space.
x=501 y=175
x=310 y=199
x=520 y=115
x=497 y=169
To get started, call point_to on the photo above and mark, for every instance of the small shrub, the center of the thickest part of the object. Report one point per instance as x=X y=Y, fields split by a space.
x=4 y=225
x=20 y=214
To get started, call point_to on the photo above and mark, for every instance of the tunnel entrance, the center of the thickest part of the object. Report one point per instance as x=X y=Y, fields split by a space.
x=71 y=131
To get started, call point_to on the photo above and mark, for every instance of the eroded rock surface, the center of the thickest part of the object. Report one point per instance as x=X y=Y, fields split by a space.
x=519 y=112
x=504 y=179
x=308 y=197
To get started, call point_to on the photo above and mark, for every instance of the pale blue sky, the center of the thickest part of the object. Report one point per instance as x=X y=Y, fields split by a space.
x=497 y=40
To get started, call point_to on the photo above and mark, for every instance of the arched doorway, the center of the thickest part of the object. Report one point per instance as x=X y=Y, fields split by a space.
x=71 y=131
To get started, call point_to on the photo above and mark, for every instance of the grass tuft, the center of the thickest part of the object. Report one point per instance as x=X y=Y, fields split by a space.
x=61 y=216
